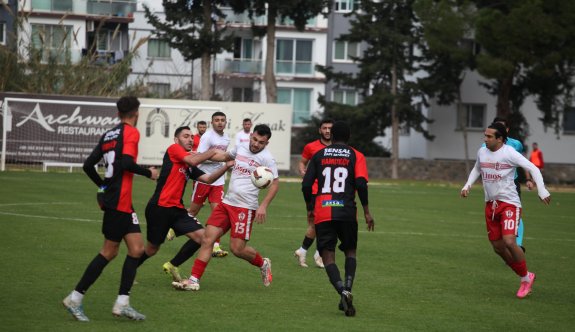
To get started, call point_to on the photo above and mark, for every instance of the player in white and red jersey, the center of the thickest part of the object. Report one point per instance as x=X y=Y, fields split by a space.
x=239 y=209
x=215 y=138
x=243 y=136
x=496 y=163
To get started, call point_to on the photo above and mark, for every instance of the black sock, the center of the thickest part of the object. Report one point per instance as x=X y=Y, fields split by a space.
x=188 y=250
x=92 y=273
x=307 y=242
x=334 y=277
x=128 y=275
x=143 y=258
x=350 y=266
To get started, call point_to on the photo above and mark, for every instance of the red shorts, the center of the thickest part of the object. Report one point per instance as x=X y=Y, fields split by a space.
x=238 y=219
x=501 y=219
x=214 y=194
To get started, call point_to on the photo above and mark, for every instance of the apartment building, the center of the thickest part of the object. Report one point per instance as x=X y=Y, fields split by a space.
x=66 y=29
x=156 y=65
x=239 y=74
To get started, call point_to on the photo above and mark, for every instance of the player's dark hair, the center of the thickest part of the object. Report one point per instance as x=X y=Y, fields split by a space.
x=500 y=130
x=263 y=130
x=179 y=130
x=247 y=120
x=218 y=113
x=202 y=123
x=502 y=120
x=324 y=121
x=127 y=104
x=340 y=132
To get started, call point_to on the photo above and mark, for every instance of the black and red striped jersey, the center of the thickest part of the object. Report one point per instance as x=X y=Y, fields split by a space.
x=173 y=178
x=336 y=168
x=120 y=140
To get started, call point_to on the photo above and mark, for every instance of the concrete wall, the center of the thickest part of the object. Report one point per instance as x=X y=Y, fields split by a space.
x=444 y=170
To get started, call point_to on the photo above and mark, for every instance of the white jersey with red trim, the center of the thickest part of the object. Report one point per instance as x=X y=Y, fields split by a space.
x=212 y=140
x=241 y=191
x=242 y=137
x=497 y=170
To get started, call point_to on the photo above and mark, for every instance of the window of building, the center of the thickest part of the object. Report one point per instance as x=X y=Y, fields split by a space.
x=343 y=51
x=471 y=116
x=52 y=41
x=293 y=57
x=346 y=6
x=162 y=90
x=243 y=95
x=103 y=40
x=159 y=48
x=569 y=120
x=53 y=5
x=348 y=97
x=2 y=33
x=243 y=48
x=300 y=99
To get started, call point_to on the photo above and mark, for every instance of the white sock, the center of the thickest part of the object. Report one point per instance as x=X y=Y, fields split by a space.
x=76 y=297
x=526 y=278
x=302 y=250
x=316 y=254
x=123 y=300
x=216 y=244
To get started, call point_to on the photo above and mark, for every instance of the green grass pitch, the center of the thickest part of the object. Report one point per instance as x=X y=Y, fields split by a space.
x=427 y=267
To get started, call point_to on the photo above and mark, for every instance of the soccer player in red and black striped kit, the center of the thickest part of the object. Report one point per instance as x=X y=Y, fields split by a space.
x=308 y=151
x=166 y=210
x=340 y=171
x=119 y=149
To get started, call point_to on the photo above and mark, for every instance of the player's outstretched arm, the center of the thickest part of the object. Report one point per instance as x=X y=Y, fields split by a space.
x=210 y=178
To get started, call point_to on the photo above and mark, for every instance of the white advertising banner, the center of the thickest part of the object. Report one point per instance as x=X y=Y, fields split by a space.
x=159 y=119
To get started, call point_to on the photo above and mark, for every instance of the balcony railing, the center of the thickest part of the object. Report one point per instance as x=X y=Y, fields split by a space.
x=243 y=18
x=250 y=66
x=239 y=66
x=294 y=68
x=105 y=57
x=120 y=8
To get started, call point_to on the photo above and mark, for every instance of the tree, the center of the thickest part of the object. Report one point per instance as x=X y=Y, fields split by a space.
x=297 y=11
x=446 y=56
x=390 y=32
x=521 y=59
x=190 y=27
x=41 y=68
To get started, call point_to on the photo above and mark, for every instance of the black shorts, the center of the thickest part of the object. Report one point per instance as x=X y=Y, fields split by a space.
x=328 y=232
x=117 y=224
x=160 y=219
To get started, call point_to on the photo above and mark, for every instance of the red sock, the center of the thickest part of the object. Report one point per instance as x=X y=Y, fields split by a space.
x=198 y=268
x=520 y=268
x=258 y=260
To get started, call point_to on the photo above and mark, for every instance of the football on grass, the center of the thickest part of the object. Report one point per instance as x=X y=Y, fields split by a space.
x=262 y=177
